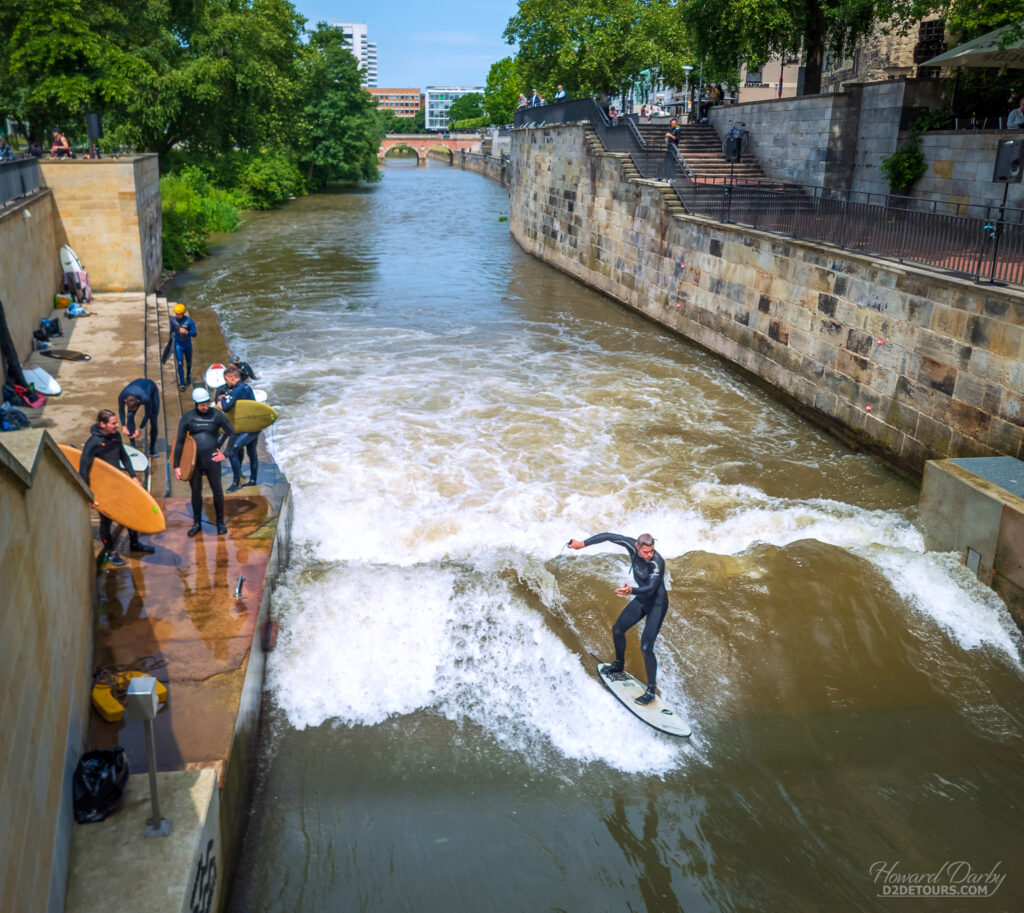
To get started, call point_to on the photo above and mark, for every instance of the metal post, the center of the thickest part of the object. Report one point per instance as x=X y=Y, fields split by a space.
x=156 y=826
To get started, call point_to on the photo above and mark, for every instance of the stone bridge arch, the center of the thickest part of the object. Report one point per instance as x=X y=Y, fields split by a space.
x=422 y=143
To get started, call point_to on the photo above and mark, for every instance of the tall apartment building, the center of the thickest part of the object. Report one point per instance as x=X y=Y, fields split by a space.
x=439 y=99
x=404 y=102
x=365 y=51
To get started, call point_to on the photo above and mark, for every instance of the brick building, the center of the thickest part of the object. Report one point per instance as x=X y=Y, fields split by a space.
x=404 y=102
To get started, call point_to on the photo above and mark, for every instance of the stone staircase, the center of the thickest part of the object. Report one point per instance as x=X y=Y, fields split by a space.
x=700 y=148
x=668 y=194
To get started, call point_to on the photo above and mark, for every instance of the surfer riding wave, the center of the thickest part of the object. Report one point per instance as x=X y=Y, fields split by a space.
x=650 y=601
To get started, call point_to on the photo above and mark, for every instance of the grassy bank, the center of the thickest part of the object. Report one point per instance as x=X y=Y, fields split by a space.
x=203 y=195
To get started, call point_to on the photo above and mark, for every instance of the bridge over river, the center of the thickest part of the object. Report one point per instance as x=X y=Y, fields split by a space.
x=422 y=143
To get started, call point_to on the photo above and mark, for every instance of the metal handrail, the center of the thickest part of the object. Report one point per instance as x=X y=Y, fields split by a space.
x=18 y=178
x=987 y=246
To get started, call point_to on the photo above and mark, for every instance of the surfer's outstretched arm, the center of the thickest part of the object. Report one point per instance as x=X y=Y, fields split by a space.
x=627 y=542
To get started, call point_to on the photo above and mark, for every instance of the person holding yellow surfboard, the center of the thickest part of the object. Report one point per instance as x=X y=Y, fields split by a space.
x=246 y=441
x=105 y=444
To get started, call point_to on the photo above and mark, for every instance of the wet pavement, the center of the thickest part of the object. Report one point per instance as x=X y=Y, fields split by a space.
x=178 y=604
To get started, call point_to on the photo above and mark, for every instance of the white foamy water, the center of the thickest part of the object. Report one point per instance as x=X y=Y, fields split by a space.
x=428 y=428
x=420 y=471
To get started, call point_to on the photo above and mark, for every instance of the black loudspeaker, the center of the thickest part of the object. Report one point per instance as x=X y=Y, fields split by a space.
x=94 y=126
x=733 y=148
x=1009 y=161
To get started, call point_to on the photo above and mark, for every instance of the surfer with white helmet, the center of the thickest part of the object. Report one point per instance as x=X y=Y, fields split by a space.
x=212 y=434
x=183 y=331
x=650 y=601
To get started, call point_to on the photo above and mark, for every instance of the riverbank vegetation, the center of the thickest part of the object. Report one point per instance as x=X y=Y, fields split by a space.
x=245 y=106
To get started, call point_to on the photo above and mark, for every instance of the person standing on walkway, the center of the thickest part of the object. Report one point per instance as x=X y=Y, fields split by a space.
x=213 y=434
x=650 y=601
x=105 y=444
x=559 y=95
x=247 y=441
x=183 y=331
x=145 y=393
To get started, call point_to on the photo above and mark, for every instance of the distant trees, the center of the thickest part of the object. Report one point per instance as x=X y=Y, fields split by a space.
x=209 y=76
x=501 y=94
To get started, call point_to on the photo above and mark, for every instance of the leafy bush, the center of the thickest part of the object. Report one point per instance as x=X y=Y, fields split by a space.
x=471 y=123
x=267 y=180
x=203 y=194
x=192 y=209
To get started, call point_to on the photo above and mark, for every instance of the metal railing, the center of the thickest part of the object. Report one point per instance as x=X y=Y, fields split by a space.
x=18 y=178
x=984 y=242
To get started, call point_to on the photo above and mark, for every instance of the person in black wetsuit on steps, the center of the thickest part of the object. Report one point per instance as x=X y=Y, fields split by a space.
x=650 y=600
x=235 y=388
x=210 y=430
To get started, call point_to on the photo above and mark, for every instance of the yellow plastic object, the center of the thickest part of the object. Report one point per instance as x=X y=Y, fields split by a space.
x=61 y=301
x=109 y=707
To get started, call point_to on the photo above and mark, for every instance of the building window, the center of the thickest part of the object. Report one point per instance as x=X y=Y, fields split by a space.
x=753 y=77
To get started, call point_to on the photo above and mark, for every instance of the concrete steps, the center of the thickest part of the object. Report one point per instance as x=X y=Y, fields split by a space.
x=701 y=149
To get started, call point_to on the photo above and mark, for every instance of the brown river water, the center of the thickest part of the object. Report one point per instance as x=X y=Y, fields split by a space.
x=436 y=737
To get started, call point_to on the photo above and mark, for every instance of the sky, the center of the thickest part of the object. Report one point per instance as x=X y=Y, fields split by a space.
x=421 y=43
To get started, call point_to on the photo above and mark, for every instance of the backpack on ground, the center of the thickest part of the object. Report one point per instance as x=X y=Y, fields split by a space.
x=12 y=418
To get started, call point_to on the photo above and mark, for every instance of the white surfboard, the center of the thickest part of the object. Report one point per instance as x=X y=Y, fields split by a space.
x=657 y=713
x=41 y=379
x=139 y=460
x=261 y=395
x=69 y=261
x=215 y=376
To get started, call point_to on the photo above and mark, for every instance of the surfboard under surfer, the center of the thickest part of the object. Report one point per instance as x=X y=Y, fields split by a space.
x=650 y=601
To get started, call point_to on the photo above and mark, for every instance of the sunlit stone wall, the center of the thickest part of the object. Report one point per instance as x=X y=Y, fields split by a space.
x=903 y=362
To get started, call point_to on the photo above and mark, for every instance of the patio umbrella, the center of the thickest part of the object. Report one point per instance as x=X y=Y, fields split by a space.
x=983 y=52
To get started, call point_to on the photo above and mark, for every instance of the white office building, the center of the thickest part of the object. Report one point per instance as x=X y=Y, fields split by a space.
x=438 y=99
x=363 y=50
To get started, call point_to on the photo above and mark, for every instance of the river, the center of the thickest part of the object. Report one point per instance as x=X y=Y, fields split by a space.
x=436 y=738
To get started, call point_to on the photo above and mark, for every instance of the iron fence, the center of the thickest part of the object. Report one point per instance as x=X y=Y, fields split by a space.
x=18 y=178
x=982 y=241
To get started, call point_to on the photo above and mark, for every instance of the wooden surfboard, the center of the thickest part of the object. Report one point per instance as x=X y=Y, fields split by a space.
x=188 y=458
x=118 y=497
x=249 y=415
x=657 y=713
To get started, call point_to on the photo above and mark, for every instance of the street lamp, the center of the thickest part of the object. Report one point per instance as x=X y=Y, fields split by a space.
x=686 y=91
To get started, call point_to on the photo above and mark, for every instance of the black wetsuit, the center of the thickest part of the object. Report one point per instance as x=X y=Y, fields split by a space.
x=650 y=599
x=106 y=447
x=149 y=399
x=210 y=432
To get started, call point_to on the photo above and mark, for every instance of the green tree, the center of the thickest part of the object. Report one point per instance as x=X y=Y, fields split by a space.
x=465 y=107
x=340 y=130
x=596 y=47
x=501 y=94
x=62 y=58
x=415 y=124
x=726 y=31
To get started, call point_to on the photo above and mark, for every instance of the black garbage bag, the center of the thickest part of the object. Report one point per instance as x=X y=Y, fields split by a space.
x=99 y=783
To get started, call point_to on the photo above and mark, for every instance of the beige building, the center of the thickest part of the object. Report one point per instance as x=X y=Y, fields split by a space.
x=404 y=102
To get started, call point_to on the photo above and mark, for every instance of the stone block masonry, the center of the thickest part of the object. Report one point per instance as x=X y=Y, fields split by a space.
x=108 y=210
x=908 y=364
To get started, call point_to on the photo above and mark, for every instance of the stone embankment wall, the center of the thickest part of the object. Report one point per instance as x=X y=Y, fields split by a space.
x=490 y=166
x=108 y=210
x=906 y=363
x=46 y=581
x=840 y=140
x=29 y=268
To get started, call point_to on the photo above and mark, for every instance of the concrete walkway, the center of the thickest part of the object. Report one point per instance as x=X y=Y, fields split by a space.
x=178 y=605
